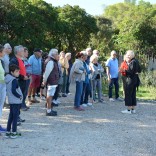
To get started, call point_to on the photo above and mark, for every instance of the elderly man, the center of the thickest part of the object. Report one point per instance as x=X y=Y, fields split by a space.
x=89 y=53
x=50 y=79
x=112 y=73
x=7 y=50
x=36 y=68
x=96 y=52
x=17 y=60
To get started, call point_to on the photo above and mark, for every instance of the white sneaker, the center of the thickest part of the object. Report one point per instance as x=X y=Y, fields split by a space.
x=119 y=99
x=126 y=111
x=54 y=101
x=133 y=111
x=58 y=101
x=84 y=105
x=69 y=93
x=111 y=100
x=42 y=98
x=89 y=104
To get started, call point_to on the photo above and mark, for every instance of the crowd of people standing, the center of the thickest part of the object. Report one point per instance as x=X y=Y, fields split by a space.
x=22 y=78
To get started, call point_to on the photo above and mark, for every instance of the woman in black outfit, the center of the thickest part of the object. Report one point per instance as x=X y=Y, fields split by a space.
x=130 y=82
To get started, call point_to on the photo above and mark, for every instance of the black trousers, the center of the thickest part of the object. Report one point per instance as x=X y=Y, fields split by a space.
x=130 y=91
x=13 y=117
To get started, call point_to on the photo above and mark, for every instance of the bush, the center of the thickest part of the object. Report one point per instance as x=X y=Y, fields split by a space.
x=148 y=78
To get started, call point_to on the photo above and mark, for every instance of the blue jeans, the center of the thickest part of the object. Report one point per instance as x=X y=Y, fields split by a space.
x=97 y=86
x=13 y=116
x=85 y=93
x=78 y=93
x=114 y=81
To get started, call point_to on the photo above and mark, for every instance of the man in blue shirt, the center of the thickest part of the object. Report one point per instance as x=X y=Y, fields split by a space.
x=112 y=73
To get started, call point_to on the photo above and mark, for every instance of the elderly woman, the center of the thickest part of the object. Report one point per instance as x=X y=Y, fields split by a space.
x=97 y=69
x=77 y=74
x=65 y=65
x=130 y=81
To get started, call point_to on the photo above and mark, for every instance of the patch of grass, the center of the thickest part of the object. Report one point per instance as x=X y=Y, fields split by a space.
x=144 y=92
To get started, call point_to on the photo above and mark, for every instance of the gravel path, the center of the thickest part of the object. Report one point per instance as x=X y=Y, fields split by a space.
x=98 y=131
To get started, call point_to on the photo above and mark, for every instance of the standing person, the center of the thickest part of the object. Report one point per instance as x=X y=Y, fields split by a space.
x=28 y=72
x=64 y=64
x=6 y=58
x=68 y=57
x=17 y=60
x=15 y=97
x=130 y=82
x=96 y=52
x=112 y=74
x=86 y=86
x=77 y=75
x=97 y=69
x=50 y=79
x=2 y=85
x=36 y=65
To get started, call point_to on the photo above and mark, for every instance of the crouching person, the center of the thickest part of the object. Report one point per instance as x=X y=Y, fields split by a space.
x=15 y=98
x=50 y=79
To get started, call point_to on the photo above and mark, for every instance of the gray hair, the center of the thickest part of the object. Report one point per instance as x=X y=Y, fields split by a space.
x=88 y=49
x=18 y=49
x=7 y=45
x=67 y=54
x=93 y=57
x=53 y=52
x=131 y=53
x=95 y=52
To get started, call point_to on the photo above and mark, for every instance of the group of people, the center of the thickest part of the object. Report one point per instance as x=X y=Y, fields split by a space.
x=50 y=75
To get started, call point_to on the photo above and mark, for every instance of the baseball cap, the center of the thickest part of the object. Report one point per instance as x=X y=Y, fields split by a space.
x=37 y=50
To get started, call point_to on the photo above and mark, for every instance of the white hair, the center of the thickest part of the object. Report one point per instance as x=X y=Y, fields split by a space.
x=67 y=54
x=95 y=52
x=7 y=45
x=93 y=57
x=84 y=52
x=113 y=52
x=53 y=52
x=131 y=53
x=88 y=50
x=18 y=49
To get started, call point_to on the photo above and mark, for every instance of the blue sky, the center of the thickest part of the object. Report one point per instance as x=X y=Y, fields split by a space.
x=93 y=7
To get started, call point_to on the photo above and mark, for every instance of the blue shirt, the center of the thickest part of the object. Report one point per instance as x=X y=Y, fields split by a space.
x=35 y=65
x=113 y=67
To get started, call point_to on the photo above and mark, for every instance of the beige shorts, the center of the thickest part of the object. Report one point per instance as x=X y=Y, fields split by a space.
x=51 y=90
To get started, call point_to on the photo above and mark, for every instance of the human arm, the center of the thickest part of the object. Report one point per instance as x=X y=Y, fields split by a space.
x=14 y=87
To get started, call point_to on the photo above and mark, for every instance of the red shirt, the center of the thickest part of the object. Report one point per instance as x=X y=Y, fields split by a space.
x=124 y=66
x=22 y=67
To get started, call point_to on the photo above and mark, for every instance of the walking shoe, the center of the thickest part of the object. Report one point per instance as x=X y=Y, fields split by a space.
x=84 y=105
x=7 y=135
x=111 y=100
x=43 y=98
x=133 y=111
x=64 y=95
x=20 y=120
x=79 y=108
x=52 y=113
x=101 y=101
x=89 y=104
x=119 y=99
x=14 y=135
x=126 y=111
x=2 y=130
x=24 y=109
x=54 y=104
x=27 y=107
x=19 y=124
x=69 y=93
x=58 y=101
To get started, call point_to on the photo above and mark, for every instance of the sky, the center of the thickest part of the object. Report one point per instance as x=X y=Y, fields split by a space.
x=93 y=7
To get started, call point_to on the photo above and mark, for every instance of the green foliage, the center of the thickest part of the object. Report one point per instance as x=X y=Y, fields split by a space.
x=35 y=23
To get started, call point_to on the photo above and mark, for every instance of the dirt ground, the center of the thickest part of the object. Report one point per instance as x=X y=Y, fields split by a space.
x=101 y=130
